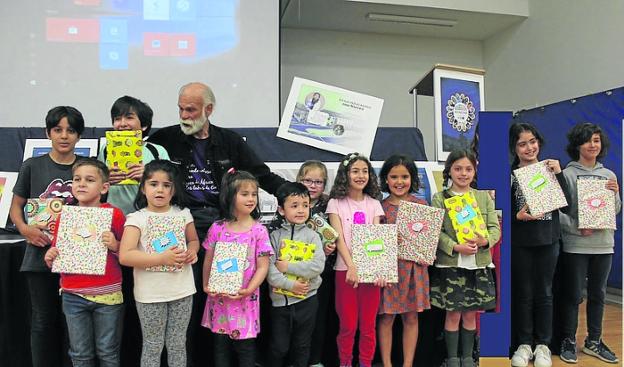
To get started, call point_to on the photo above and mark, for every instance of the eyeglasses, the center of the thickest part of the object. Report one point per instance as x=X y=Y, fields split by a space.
x=308 y=182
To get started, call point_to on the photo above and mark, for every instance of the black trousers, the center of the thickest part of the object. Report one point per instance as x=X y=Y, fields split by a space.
x=532 y=271
x=225 y=348
x=291 y=330
x=48 y=332
x=577 y=268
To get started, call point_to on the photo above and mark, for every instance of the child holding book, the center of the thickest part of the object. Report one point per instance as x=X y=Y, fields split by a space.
x=462 y=282
x=354 y=200
x=130 y=114
x=587 y=253
x=235 y=318
x=163 y=279
x=93 y=304
x=46 y=176
x=293 y=315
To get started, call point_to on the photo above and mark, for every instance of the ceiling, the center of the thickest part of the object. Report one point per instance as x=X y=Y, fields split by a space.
x=350 y=16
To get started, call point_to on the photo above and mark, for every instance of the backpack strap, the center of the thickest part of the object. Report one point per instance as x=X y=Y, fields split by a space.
x=152 y=150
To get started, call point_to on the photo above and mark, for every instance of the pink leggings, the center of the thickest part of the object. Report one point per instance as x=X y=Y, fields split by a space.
x=355 y=305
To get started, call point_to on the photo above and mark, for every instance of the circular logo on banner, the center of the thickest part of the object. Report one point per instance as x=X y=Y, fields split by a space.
x=460 y=112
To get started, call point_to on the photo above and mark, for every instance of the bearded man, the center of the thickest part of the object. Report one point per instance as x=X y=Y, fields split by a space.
x=205 y=152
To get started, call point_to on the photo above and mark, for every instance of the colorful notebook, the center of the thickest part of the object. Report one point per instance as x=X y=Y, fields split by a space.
x=540 y=188
x=164 y=232
x=228 y=266
x=294 y=252
x=124 y=149
x=79 y=240
x=43 y=212
x=320 y=225
x=418 y=229
x=465 y=217
x=596 y=205
x=374 y=252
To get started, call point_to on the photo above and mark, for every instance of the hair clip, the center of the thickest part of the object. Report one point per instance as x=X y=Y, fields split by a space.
x=231 y=171
x=349 y=158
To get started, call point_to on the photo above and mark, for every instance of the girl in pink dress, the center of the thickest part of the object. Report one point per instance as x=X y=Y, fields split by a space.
x=235 y=318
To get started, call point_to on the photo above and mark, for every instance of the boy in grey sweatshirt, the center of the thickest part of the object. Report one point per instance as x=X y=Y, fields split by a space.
x=293 y=316
x=587 y=253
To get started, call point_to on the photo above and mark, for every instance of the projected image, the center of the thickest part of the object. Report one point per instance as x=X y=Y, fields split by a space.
x=190 y=29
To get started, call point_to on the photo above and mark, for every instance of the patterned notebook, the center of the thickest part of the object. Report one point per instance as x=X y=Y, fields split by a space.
x=294 y=252
x=43 y=212
x=418 y=229
x=540 y=188
x=228 y=266
x=164 y=232
x=374 y=252
x=123 y=149
x=465 y=217
x=320 y=225
x=596 y=205
x=79 y=240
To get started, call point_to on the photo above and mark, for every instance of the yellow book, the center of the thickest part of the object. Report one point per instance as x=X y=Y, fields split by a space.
x=124 y=149
x=465 y=216
x=294 y=252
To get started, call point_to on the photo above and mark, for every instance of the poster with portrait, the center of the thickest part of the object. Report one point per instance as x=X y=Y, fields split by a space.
x=330 y=118
x=7 y=181
x=458 y=98
x=39 y=147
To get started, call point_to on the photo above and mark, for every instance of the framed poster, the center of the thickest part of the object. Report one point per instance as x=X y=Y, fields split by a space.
x=39 y=147
x=330 y=118
x=7 y=181
x=458 y=98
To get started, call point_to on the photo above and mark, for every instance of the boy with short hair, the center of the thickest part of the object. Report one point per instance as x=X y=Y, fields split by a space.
x=93 y=304
x=293 y=318
x=130 y=114
x=43 y=177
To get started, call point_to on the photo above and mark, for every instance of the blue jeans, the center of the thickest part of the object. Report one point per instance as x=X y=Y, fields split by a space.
x=94 y=329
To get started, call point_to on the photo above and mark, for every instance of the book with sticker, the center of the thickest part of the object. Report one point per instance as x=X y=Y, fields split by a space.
x=319 y=224
x=164 y=232
x=228 y=266
x=374 y=252
x=540 y=188
x=124 y=149
x=294 y=252
x=465 y=217
x=418 y=229
x=79 y=240
x=596 y=204
x=43 y=212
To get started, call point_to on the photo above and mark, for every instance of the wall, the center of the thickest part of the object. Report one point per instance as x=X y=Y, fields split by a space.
x=380 y=65
x=563 y=50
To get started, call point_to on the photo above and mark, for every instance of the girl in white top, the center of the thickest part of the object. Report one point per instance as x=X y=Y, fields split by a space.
x=163 y=279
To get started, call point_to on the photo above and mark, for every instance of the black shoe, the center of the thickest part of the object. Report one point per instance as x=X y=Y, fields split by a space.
x=568 y=350
x=599 y=350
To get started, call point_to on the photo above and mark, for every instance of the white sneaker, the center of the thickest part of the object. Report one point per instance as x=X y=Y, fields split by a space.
x=522 y=356
x=542 y=356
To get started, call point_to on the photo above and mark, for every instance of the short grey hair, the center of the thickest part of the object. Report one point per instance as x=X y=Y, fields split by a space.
x=207 y=94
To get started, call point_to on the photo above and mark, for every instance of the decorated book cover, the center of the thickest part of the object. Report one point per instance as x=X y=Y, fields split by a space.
x=540 y=188
x=374 y=252
x=322 y=227
x=596 y=205
x=164 y=232
x=418 y=229
x=124 y=149
x=294 y=252
x=228 y=266
x=79 y=240
x=465 y=217
x=43 y=212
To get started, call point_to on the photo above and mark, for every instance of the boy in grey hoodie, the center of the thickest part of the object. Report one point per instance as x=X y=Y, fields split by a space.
x=293 y=317
x=587 y=253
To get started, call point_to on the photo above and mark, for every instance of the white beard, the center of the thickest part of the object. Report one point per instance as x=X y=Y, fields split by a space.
x=195 y=125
